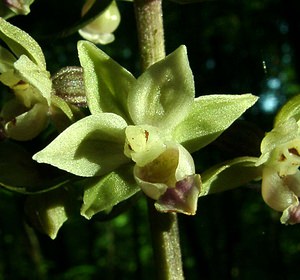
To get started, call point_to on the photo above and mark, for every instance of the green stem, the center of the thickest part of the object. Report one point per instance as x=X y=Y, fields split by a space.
x=164 y=226
x=150 y=31
x=166 y=244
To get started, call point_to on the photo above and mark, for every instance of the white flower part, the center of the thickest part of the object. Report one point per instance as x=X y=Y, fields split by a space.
x=143 y=144
x=186 y=164
x=291 y=215
x=100 y=30
x=281 y=148
x=97 y=38
x=276 y=191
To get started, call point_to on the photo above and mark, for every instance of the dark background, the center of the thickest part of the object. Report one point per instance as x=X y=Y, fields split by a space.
x=234 y=47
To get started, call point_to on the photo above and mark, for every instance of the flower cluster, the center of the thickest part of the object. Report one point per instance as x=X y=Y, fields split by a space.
x=33 y=99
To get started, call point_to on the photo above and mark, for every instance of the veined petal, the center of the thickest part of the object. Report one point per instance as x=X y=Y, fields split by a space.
x=107 y=83
x=163 y=95
x=21 y=43
x=91 y=146
x=209 y=117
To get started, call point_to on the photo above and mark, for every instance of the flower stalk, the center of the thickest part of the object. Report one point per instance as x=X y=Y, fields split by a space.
x=163 y=226
x=149 y=20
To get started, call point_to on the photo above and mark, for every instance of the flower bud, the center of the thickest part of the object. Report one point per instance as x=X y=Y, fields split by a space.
x=100 y=30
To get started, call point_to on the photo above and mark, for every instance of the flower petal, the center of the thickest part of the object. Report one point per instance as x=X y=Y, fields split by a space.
x=91 y=146
x=33 y=75
x=21 y=43
x=6 y=60
x=227 y=175
x=281 y=148
x=107 y=83
x=291 y=215
x=170 y=167
x=49 y=211
x=209 y=117
x=99 y=31
x=29 y=124
x=181 y=199
x=275 y=190
x=289 y=110
x=101 y=194
x=164 y=93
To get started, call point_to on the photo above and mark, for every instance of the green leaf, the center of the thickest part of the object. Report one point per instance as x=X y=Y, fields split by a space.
x=21 y=43
x=209 y=117
x=92 y=146
x=16 y=164
x=289 y=110
x=102 y=195
x=35 y=76
x=229 y=175
x=107 y=83
x=164 y=93
x=47 y=212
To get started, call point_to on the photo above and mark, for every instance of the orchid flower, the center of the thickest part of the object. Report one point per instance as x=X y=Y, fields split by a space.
x=280 y=159
x=146 y=127
x=23 y=70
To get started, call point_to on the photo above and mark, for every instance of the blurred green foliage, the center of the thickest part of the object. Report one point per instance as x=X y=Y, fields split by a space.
x=233 y=47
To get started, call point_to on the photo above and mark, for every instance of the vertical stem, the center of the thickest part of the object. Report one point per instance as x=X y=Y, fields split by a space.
x=166 y=244
x=164 y=226
x=150 y=31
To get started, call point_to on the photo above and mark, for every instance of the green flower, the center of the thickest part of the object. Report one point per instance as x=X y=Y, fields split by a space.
x=280 y=160
x=23 y=70
x=100 y=30
x=152 y=124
